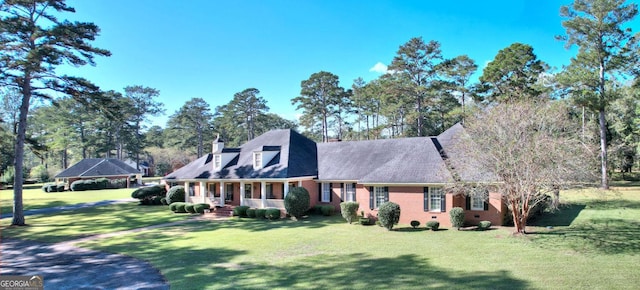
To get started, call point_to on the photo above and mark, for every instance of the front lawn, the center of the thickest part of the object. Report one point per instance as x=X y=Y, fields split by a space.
x=583 y=250
x=33 y=197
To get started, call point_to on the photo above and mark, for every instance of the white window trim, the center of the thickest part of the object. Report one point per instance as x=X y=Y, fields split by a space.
x=350 y=192
x=244 y=190
x=376 y=191
x=432 y=193
x=217 y=161
x=477 y=202
x=326 y=193
x=257 y=160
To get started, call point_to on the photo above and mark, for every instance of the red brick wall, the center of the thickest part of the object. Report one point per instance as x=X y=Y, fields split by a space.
x=495 y=213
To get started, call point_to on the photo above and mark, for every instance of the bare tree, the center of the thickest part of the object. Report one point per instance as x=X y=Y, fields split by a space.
x=530 y=149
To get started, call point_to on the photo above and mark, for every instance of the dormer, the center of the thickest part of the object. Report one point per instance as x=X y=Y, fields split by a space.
x=222 y=156
x=262 y=158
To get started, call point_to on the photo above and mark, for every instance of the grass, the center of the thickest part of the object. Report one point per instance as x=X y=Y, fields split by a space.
x=33 y=197
x=594 y=243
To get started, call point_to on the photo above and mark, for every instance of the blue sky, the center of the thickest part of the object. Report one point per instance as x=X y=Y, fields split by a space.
x=213 y=49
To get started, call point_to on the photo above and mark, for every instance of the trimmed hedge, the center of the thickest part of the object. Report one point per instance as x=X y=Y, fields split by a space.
x=60 y=187
x=50 y=187
x=173 y=206
x=273 y=213
x=240 y=211
x=251 y=212
x=328 y=210
x=433 y=225
x=261 y=213
x=200 y=207
x=175 y=194
x=349 y=210
x=188 y=207
x=317 y=209
x=150 y=195
x=180 y=207
x=163 y=201
x=297 y=202
x=457 y=217
x=484 y=225
x=93 y=184
x=415 y=224
x=389 y=214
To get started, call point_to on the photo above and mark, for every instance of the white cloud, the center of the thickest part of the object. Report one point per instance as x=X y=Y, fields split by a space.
x=379 y=68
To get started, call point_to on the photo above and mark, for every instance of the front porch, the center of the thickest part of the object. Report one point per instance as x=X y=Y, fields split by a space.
x=255 y=194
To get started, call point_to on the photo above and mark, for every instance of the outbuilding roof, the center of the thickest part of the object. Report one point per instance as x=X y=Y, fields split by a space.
x=98 y=167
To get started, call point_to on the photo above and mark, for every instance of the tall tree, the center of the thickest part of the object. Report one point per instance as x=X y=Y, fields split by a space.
x=512 y=75
x=459 y=70
x=419 y=61
x=190 y=125
x=33 y=42
x=606 y=48
x=247 y=106
x=143 y=104
x=319 y=96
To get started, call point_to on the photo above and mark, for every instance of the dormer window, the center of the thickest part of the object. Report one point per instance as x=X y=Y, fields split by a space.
x=257 y=160
x=217 y=161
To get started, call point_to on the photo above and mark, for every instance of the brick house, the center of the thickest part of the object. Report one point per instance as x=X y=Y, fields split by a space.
x=412 y=172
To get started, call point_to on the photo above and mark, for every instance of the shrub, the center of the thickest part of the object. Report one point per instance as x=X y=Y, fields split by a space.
x=389 y=214
x=317 y=209
x=180 y=207
x=328 y=210
x=415 y=224
x=240 y=211
x=200 y=207
x=484 y=225
x=90 y=184
x=457 y=217
x=261 y=213
x=60 y=187
x=8 y=175
x=39 y=173
x=173 y=206
x=78 y=185
x=349 y=210
x=175 y=194
x=297 y=201
x=433 y=225
x=49 y=187
x=251 y=212
x=150 y=195
x=163 y=201
x=273 y=213
x=364 y=221
x=188 y=207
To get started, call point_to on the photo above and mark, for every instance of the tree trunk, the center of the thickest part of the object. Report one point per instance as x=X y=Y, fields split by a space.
x=603 y=150
x=18 y=207
x=419 y=117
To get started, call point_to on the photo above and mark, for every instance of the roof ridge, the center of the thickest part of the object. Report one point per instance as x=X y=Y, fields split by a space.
x=92 y=167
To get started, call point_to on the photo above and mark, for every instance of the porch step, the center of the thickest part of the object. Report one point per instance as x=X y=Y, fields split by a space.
x=225 y=211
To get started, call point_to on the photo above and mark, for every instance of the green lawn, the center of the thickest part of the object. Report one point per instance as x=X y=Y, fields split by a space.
x=33 y=197
x=594 y=243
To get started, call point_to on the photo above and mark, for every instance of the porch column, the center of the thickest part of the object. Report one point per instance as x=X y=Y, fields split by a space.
x=222 y=193
x=299 y=183
x=186 y=192
x=285 y=189
x=263 y=194
x=241 y=192
x=203 y=192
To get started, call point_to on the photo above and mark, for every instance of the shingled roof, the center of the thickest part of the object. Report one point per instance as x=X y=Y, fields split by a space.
x=98 y=167
x=455 y=141
x=384 y=161
x=296 y=158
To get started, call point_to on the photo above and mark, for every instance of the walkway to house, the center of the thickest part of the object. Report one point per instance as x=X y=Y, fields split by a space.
x=66 y=266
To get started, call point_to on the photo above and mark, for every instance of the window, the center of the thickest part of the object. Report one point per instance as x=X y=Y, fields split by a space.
x=229 y=191
x=270 y=191
x=326 y=192
x=435 y=199
x=217 y=161
x=381 y=195
x=192 y=192
x=477 y=203
x=477 y=199
x=248 y=191
x=211 y=190
x=350 y=192
x=257 y=160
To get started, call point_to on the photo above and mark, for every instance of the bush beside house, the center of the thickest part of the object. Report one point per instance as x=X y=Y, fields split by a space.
x=296 y=203
x=389 y=214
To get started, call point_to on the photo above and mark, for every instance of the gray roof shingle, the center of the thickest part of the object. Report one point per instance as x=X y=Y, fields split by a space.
x=455 y=141
x=95 y=167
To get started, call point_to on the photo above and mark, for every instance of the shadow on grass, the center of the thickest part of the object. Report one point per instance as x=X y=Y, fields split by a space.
x=257 y=225
x=603 y=235
x=563 y=217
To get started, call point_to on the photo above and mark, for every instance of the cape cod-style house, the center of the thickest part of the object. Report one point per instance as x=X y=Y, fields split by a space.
x=412 y=172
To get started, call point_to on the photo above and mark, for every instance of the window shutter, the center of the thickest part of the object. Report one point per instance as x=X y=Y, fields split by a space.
x=341 y=192
x=468 y=201
x=486 y=204
x=330 y=192
x=320 y=191
x=425 y=203
x=386 y=194
x=443 y=202
x=370 y=197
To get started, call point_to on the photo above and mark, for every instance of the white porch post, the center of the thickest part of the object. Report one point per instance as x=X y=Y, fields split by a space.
x=299 y=183
x=286 y=189
x=186 y=192
x=241 y=192
x=263 y=194
x=203 y=192
x=222 y=193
